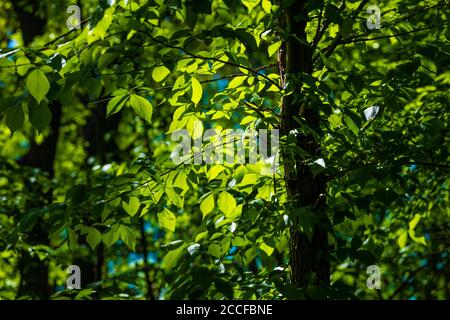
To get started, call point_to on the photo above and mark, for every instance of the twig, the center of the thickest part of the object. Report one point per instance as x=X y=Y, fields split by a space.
x=168 y=45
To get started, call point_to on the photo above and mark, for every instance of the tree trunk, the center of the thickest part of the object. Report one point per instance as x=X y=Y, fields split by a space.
x=33 y=272
x=31 y=25
x=309 y=257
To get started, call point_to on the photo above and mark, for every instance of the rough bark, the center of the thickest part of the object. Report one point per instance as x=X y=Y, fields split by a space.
x=304 y=189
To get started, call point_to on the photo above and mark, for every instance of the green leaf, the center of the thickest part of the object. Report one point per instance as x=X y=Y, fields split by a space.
x=160 y=73
x=116 y=104
x=413 y=223
x=7 y=65
x=94 y=237
x=351 y=124
x=345 y=96
x=40 y=116
x=420 y=240
x=99 y=31
x=142 y=107
x=335 y=120
x=167 y=219
x=170 y=260
x=207 y=205
x=181 y=181
x=71 y=239
x=200 y=236
x=215 y=171
x=38 y=85
x=110 y=237
x=197 y=91
x=84 y=294
x=273 y=48
x=236 y=82
x=401 y=241
x=236 y=212
x=266 y=5
x=266 y=248
x=23 y=64
x=250 y=4
x=128 y=236
x=132 y=206
x=15 y=118
x=215 y=250
x=174 y=197
x=226 y=203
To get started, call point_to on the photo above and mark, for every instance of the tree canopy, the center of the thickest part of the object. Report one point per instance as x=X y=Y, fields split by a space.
x=89 y=108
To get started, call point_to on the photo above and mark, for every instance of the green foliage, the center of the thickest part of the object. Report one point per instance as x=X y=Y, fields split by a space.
x=38 y=85
x=142 y=107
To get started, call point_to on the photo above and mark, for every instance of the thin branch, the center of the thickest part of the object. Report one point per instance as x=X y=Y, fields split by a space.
x=258 y=111
x=316 y=37
x=423 y=10
x=406 y=282
x=193 y=55
x=374 y=164
x=338 y=38
x=394 y=35
x=65 y=34
x=326 y=24
x=171 y=87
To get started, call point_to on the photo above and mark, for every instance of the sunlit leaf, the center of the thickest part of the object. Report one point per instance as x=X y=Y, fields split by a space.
x=197 y=91
x=142 y=107
x=167 y=219
x=38 y=85
x=207 y=205
x=226 y=203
